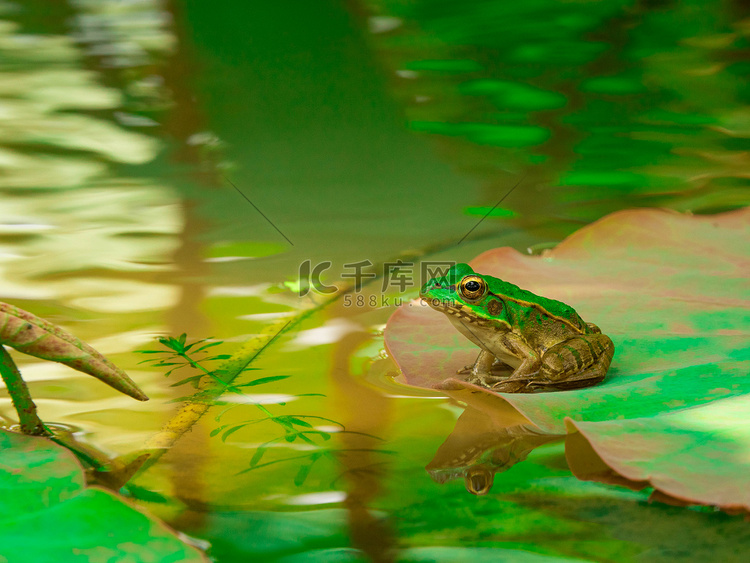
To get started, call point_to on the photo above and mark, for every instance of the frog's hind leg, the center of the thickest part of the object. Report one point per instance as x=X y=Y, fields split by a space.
x=577 y=362
x=586 y=378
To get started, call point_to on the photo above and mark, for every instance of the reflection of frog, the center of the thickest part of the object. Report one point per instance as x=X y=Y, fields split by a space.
x=481 y=446
x=478 y=464
x=545 y=341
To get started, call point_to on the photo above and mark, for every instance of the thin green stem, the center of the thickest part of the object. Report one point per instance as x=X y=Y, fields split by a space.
x=19 y=393
x=289 y=427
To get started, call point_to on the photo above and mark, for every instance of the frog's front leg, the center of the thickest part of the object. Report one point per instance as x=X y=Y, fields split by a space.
x=527 y=370
x=481 y=372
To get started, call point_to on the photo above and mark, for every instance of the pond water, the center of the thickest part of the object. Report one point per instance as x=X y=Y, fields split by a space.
x=171 y=167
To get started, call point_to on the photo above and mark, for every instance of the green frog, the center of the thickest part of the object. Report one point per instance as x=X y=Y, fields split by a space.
x=546 y=344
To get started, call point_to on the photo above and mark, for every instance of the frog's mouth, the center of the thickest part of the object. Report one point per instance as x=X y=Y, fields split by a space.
x=457 y=311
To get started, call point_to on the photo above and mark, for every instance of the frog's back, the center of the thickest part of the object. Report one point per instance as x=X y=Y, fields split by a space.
x=552 y=307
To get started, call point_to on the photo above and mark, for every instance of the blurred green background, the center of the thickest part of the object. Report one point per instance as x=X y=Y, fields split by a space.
x=364 y=131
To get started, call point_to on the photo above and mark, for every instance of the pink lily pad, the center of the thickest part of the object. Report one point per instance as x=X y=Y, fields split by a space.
x=695 y=456
x=672 y=292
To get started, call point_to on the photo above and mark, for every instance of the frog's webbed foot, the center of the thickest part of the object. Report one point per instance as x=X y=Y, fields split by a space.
x=513 y=386
x=481 y=372
x=498 y=367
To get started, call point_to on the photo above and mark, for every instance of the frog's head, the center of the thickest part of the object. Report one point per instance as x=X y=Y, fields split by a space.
x=463 y=294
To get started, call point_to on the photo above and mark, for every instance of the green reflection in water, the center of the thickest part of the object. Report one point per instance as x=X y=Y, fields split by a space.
x=640 y=101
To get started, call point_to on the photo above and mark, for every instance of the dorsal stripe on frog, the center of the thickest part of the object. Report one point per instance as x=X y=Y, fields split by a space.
x=555 y=309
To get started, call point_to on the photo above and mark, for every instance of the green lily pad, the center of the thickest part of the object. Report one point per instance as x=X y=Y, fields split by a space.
x=48 y=514
x=671 y=291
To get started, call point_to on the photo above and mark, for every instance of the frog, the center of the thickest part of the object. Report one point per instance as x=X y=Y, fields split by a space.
x=540 y=344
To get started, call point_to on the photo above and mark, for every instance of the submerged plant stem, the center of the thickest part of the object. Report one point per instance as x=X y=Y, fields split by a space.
x=192 y=411
x=19 y=393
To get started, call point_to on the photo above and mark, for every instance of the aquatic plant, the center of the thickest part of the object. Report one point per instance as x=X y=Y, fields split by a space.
x=179 y=354
x=36 y=337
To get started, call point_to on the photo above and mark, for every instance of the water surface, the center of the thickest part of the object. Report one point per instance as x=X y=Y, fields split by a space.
x=360 y=131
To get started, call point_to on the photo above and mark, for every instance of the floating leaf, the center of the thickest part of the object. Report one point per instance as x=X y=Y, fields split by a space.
x=672 y=453
x=672 y=293
x=48 y=514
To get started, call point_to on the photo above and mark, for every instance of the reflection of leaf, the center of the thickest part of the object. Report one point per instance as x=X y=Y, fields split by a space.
x=50 y=514
x=487 y=134
x=672 y=293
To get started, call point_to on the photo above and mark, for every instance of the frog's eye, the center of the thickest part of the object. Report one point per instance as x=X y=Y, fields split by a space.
x=473 y=288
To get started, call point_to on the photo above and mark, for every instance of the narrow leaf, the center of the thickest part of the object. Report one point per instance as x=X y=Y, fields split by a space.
x=231 y=431
x=194 y=379
x=304 y=471
x=295 y=420
x=262 y=380
x=215 y=431
x=317 y=418
x=272 y=463
x=302 y=474
x=208 y=346
x=258 y=456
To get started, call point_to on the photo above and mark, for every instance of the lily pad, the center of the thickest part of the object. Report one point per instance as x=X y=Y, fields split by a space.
x=690 y=456
x=671 y=291
x=48 y=514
